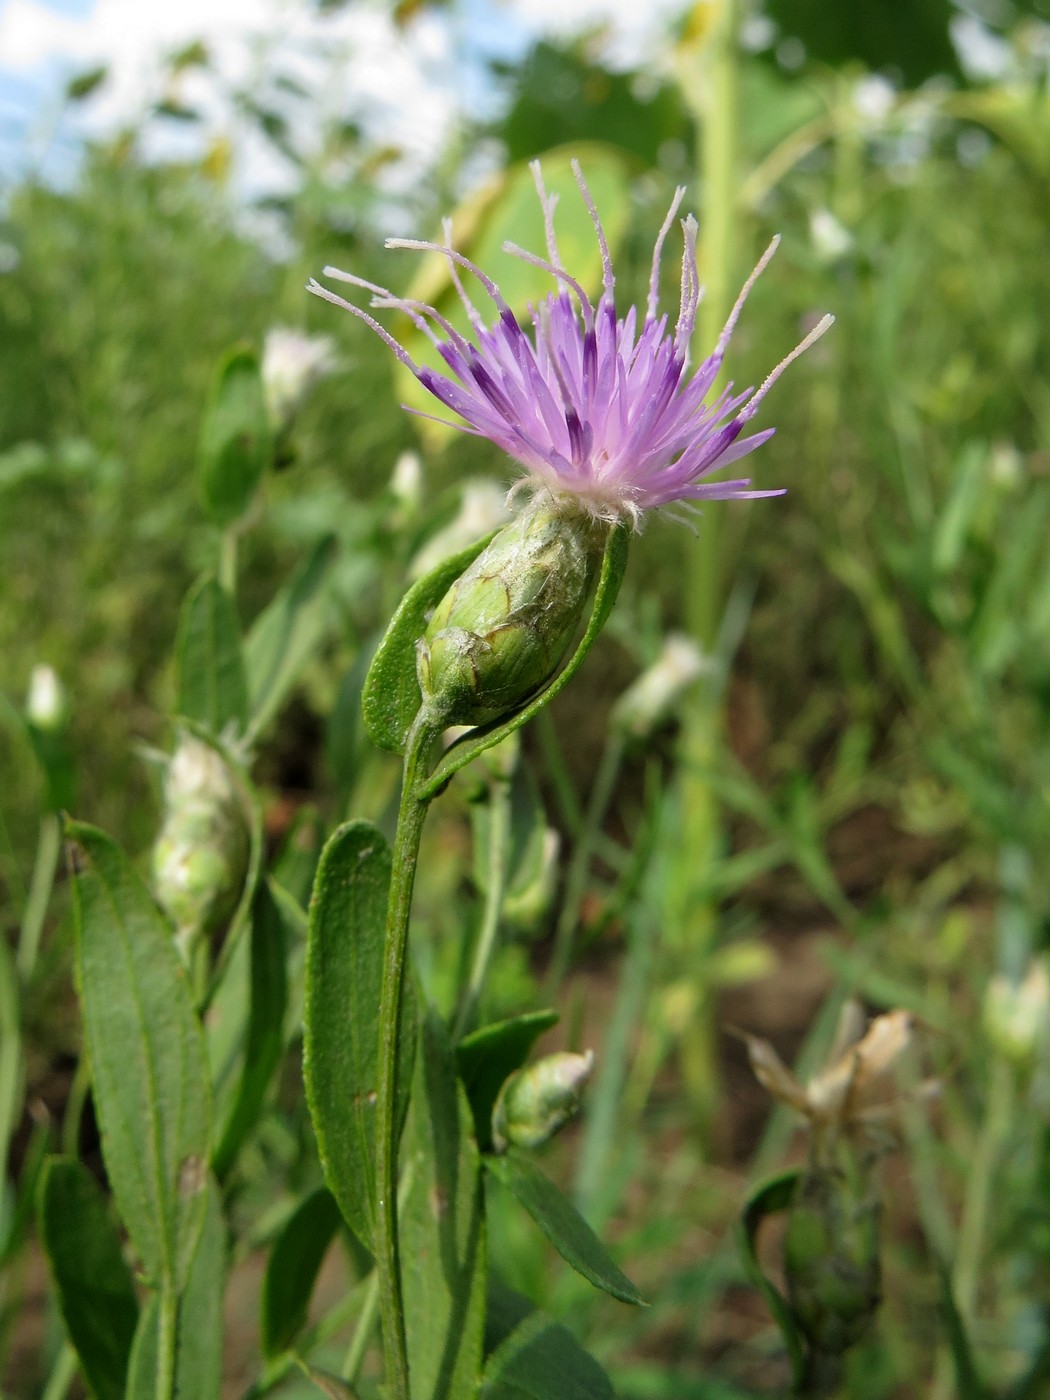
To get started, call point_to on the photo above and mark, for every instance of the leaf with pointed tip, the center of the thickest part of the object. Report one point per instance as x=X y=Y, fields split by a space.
x=563 y=1225
x=542 y=1360
x=391 y=696
x=96 y=1293
x=146 y=1050
x=614 y=564
x=292 y=1269
x=344 y=973
x=442 y=1229
x=236 y=440
x=487 y=1056
x=772 y=1197
x=211 y=687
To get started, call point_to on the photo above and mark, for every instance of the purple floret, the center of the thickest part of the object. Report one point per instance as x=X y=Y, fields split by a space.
x=589 y=403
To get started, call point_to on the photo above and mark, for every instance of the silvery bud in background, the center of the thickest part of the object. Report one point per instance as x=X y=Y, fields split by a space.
x=482 y=509
x=504 y=626
x=200 y=858
x=47 y=704
x=653 y=696
x=292 y=363
x=1017 y=1014
x=536 y=1102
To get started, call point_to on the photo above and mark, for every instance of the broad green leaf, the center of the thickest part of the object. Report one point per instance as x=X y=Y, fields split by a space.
x=562 y=1223
x=391 y=696
x=146 y=1050
x=771 y=1198
x=292 y=1269
x=442 y=1230
x=286 y=633
x=541 y=1360
x=614 y=563
x=96 y=1293
x=487 y=1056
x=344 y=972
x=235 y=443
x=211 y=686
x=199 y=1326
x=264 y=1041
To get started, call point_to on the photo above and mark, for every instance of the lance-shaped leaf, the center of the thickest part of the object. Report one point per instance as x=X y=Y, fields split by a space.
x=236 y=441
x=199 y=1327
x=488 y=1056
x=771 y=1198
x=391 y=695
x=541 y=1360
x=476 y=741
x=562 y=1223
x=264 y=1039
x=96 y=1293
x=292 y=1269
x=286 y=633
x=442 y=1230
x=344 y=973
x=146 y=1049
x=211 y=687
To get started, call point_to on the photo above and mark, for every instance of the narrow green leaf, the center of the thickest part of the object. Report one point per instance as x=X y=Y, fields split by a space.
x=286 y=633
x=563 y=1225
x=344 y=971
x=96 y=1293
x=292 y=1270
x=442 y=1230
x=211 y=686
x=541 y=1360
x=146 y=1050
x=199 y=1329
x=614 y=564
x=264 y=1042
x=391 y=696
x=235 y=443
x=771 y=1198
x=487 y=1056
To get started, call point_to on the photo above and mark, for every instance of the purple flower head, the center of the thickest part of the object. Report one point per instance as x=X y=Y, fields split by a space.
x=591 y=404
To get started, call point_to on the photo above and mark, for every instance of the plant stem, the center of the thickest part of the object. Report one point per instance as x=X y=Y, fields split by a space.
x=355 y=1352
x=405 y=856
x=167 y=1326
x=576 y=879
x=496 y=883
x=48 y=845
x=973 y=1226
x=228 y=560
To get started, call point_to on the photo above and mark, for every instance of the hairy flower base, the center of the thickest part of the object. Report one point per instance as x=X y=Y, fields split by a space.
x=587 y=402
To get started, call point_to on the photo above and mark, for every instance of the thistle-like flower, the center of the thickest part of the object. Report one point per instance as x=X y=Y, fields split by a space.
x=590 y=404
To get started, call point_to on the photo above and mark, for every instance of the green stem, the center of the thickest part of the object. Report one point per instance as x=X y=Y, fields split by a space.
x=973 y=1226
x=167 y=1328
x=355 y=1353
x=576 y=879
x=405 y=856
x=47 y=850
x=499 y=847
x=61 y=1377
x=228 y=560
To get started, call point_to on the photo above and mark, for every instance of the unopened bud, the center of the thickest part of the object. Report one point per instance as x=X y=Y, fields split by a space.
x=47 y=705
x=536 y=1102
x=200 y=858
x=525 y=904
x=503 y=627
x=406 y=482
x=291 y=364
x=1017 y=1014
x=652 y=697
x=831 y=1259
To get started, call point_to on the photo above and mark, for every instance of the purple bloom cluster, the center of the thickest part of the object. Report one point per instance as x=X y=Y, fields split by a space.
x=589 y=403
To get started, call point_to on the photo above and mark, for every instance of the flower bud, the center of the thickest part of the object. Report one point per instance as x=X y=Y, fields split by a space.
x=47 y=704
x=653 y=696
x=200 y=858
x=537 y=1102
x=503 y=627
x=291 y=364
x=831 y=1259
x=1017 y=1014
